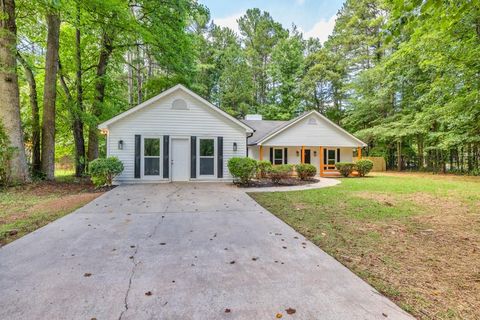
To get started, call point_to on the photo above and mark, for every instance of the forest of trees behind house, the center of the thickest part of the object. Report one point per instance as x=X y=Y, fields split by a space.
x=403 y=76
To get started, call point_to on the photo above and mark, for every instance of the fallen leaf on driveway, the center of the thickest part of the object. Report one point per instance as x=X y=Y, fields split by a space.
x=290 y=311
x=148 y=293
x=278 y=315
x=232 y=262
x=227 y=310
x=87 y=274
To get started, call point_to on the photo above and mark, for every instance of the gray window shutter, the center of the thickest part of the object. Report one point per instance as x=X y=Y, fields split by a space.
x=193 y=157
x=338 y=155
x=219 y=157
x=324 y=156
x=138 y=141
x=166 y=157
x=271 y=155
x=285 y=155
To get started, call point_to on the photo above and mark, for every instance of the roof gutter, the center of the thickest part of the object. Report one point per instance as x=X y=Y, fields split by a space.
x=249 y=135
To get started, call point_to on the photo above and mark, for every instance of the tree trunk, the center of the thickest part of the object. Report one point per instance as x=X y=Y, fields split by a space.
x=399 y=155
x=50 y=95
x=469 y=157
x=139 y=76
x=10 y=106
x=77 y=115
x=106 y=51
x=130 y=79
x=32 y=83
x=420 y=152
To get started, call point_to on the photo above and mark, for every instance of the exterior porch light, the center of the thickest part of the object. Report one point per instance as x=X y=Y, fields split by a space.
x=298 y=153
x=120 y=144
x=234 y=146
x=314 y=153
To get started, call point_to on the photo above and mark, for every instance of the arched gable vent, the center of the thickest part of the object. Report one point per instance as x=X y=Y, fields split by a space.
x=179 y=104
x=312 y=121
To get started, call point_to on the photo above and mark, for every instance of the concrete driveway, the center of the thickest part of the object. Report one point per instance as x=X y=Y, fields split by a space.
x=178 y=251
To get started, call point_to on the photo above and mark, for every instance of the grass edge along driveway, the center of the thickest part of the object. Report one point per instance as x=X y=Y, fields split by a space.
x=25 y=208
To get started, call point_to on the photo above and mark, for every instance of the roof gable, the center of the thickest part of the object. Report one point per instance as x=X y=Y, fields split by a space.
x=326 y=133
x=105 y=124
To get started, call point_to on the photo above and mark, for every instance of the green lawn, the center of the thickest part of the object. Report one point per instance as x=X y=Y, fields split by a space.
x=415 y=237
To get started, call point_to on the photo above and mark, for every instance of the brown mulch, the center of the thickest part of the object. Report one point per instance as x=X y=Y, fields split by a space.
x=265 y=183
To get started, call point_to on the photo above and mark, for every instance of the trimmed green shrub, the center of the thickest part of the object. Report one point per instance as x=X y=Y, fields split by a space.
x=280 y=172
x=242 y=169
x=263 y=168
x=345 y=168
x=363 y=167
x=306 y=171
x=104 y=170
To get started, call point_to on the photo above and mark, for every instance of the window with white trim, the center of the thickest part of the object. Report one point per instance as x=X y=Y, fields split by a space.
x=151 y=156
x=206 y=157
x=331 y=156
x=277 y=156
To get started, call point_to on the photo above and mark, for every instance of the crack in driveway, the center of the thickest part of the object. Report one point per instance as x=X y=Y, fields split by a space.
x=132 y=273
x=136 y=263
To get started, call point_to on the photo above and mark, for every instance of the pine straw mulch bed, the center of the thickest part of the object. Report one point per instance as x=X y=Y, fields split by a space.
x=267 y=183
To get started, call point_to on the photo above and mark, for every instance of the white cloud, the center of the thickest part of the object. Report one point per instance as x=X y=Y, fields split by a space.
x=322 y=29
x=229 y=22
x=300 y=2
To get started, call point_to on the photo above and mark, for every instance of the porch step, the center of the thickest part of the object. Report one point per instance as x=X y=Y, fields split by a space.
x=331 y=174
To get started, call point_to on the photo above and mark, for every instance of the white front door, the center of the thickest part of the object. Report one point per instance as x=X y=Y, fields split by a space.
x=180 y=159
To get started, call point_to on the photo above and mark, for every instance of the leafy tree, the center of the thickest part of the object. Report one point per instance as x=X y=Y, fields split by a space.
x=285 y=72
x=9 y=91
x=260 y=33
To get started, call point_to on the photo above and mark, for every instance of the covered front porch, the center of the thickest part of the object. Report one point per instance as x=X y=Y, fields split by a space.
x=323 y=158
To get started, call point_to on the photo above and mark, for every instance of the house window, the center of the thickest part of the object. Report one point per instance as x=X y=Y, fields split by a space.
x=331 y=156
x=151 y=156
x=278 y=156
x=207 y=157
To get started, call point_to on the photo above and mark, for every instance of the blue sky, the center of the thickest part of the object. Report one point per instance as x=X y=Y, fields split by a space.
x=315 y=18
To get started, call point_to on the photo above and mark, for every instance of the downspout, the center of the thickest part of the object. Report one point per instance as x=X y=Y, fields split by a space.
x=246 y=141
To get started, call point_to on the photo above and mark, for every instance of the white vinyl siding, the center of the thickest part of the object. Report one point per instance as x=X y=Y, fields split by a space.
x=159 y=119
x=320 y=134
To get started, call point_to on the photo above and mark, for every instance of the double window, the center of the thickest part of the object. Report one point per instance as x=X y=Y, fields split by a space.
x=151 y=156
x=206 y=156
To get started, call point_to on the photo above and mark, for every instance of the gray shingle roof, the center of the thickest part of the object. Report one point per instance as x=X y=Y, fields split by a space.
x=263 y=128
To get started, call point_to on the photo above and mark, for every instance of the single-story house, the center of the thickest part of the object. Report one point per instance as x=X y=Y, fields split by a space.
x=309 y=138
x=179 y=136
